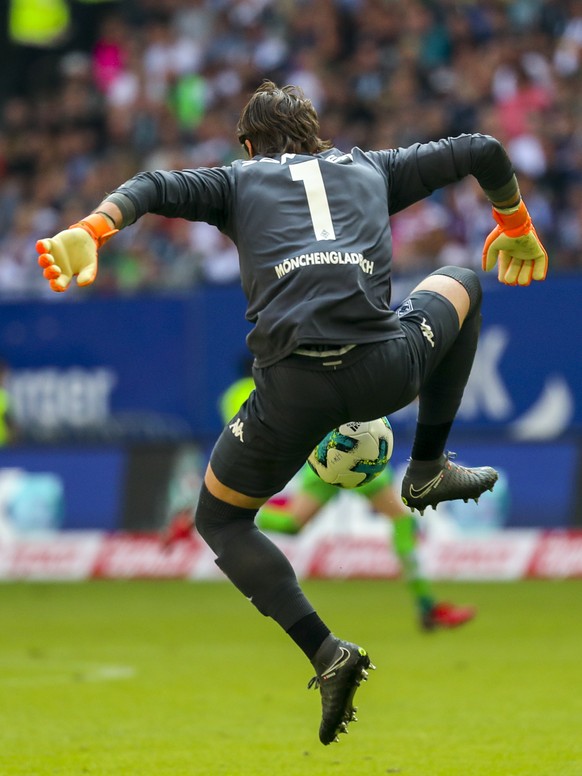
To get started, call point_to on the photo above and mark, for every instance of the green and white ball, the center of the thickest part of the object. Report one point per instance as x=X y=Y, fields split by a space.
x=354 y=453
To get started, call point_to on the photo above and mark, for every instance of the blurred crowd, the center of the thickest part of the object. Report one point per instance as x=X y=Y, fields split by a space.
x=144 y=84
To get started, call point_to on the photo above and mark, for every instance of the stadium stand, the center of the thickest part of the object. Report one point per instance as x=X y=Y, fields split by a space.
x=115 y=87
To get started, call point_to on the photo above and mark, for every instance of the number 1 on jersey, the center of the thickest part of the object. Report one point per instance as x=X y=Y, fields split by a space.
x=310 y=174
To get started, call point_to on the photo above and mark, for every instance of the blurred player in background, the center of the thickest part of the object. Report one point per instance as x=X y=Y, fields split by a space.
x=8 y=428
x=311 y=496
x=311 y=226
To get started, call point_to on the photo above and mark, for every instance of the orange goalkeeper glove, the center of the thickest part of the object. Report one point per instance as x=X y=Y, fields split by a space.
x=515 y=247
x=73 y=252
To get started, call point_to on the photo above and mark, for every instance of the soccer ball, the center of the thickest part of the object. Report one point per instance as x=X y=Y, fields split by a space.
x=354 y=453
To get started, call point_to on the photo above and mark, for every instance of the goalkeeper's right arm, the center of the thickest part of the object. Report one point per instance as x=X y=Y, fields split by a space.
x=74 y=251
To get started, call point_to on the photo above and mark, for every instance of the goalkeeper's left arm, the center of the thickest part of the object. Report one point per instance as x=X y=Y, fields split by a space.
x=515 y=247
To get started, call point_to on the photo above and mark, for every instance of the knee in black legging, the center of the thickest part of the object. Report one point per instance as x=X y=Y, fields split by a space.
x=218 y=522
x=250 y=560
x=469 y=279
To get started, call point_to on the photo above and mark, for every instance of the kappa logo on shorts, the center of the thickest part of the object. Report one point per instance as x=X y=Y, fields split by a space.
x=427 y=332
x=405 y=308
x=237 y=429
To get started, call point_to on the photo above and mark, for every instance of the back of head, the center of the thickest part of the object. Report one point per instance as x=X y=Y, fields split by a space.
x=280 y=120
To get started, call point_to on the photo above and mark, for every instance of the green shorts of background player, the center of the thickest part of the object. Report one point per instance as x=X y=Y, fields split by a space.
x=312 y=494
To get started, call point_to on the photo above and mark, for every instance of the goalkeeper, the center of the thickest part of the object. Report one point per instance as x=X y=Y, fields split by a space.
x=311 y=225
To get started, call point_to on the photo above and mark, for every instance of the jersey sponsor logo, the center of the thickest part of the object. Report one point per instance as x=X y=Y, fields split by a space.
x=237 y=429
x=324 y=257
x=427 y=332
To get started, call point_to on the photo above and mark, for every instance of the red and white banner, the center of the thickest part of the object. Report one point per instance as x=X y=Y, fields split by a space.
x=52 y=557
x=557 y=555
x=504 y=555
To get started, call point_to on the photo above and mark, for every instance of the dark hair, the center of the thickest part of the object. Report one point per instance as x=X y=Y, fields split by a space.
x=280 y=120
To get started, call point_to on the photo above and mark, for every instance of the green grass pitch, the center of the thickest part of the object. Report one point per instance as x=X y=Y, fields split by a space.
x=174 y=678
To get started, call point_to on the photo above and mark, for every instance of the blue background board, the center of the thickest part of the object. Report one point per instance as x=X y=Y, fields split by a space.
x=169 y=358
x=152 y=368
x=541 y=478
x=92 y=479
x=544 y=341
x=166 y=358
x=526 y=381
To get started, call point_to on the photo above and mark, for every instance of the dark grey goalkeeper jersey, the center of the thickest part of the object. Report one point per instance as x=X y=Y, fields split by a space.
x=313 y=232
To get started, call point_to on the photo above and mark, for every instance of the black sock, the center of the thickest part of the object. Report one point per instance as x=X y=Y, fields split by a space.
x=441 y=395
x=429 y=441
x=309 y=633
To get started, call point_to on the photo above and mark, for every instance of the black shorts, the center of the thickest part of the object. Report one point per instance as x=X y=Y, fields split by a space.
x=299 y=399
